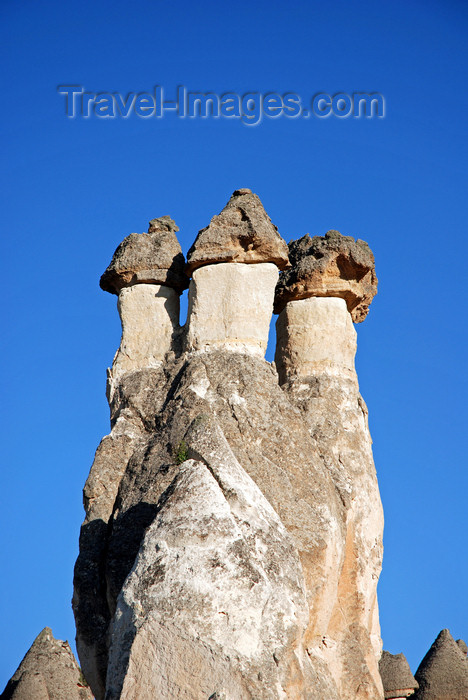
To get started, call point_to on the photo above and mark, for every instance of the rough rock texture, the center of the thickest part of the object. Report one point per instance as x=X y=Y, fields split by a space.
x=153 y=258
x=241 y=233
x=312 y=335
x=463 y=646
x=443 y=673
x=230 y=305
x=48 y=672
x=397 y=679
x=320 y=380
x=233 y=533
x=150 y=323
x=329 y=266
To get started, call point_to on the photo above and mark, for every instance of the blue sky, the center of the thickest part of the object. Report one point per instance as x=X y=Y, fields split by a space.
x=73 y=188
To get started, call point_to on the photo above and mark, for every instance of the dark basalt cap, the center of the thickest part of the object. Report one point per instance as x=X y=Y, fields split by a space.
x=397 y=679
x=329 y=266
x=241 y=233
x=443 y=673
x=152 y=258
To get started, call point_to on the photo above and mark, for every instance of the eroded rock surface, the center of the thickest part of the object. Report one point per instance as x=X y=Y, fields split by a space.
x=48 y=672
x=151 y=258
x=397 y=679
x=241 y=233
x=443 y=673
x=233 y=534
x=329 y=266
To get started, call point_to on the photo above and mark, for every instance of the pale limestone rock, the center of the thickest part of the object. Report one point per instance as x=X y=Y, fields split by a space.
x=315 y=335
x=315 y=360
x=230 y=306
x=219 y=575
x=150 y=319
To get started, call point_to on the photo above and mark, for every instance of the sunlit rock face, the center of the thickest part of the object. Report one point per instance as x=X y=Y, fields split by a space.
x=150 y=320
x=233 y=533
x=230 y=307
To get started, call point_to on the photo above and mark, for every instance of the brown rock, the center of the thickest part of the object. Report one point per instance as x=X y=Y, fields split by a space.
x=329 y=266
x=48 y=672
x=443 y=673
x=242 y=233
x=397 y=679
x=153 y=258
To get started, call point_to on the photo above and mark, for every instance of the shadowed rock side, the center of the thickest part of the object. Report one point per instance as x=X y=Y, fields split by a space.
x=48 y=672
x=397 y=679
x=232 y=540
x=443 y=673
x=241 y=233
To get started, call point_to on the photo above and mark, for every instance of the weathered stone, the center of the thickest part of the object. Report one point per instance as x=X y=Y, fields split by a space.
x=315 y=359
x=233 y=534
x=230 y=305
x=216 y=558
x=151 y=258
x=315 y=335
x=150 y=323
x=329 y=266
x=48 y=672
x=397 y=679
x=443 y=673
x=241 y=233
x=463 y=646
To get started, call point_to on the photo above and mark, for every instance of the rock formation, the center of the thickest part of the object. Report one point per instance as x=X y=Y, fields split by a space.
x=397 y=679
x=47 y=672
x=330 y=266
x=233 y=534
x=443 y=673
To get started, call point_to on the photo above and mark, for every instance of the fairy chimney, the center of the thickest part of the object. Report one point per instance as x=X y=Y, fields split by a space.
x=330 y=284
x=234 y=266
x=147 y=274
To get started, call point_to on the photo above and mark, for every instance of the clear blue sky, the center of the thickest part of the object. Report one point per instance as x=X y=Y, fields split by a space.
x=72 y=189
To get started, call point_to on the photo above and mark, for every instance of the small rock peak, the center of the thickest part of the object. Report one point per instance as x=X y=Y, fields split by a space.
x=443 y=673
x=329 y=266
x=241 y=233
x=397 y=679
x=163 y=223
x=49 y=670
x=147 y=258
x=462 y=646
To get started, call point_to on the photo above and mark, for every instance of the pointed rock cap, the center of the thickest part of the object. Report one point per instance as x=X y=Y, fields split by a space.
x=329 y=266
x=462 y=645
x=48 y=672
x=397 y=679
x=151 y=258
x=443 y=673
x=241 y=233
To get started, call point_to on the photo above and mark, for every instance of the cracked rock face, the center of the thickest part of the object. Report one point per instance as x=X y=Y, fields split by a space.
x=241 y=233
x=329 y=266
x=233 y=534
x=48 y=672
x=150 y=258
